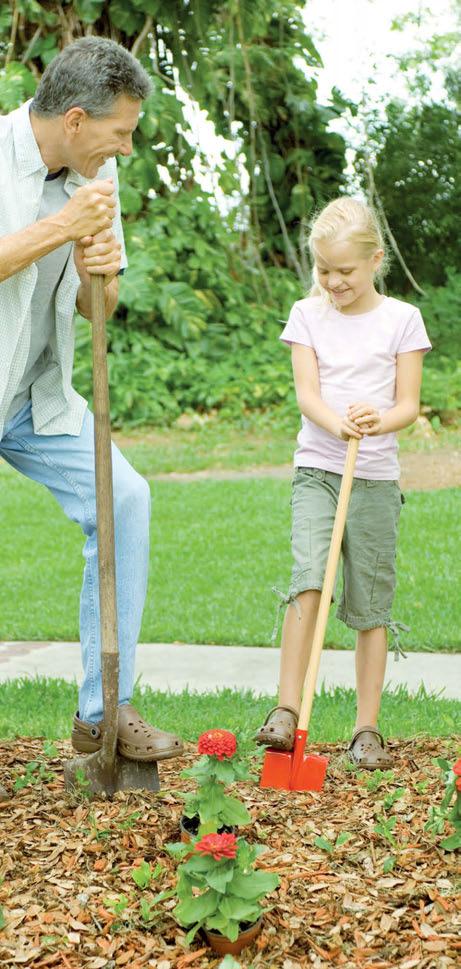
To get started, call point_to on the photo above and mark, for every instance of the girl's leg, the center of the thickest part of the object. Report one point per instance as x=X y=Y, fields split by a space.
x=370 y=669
x=297 y=634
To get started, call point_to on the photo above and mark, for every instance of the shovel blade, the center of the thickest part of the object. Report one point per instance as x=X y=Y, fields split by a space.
x=90 y=776
x=293 y=770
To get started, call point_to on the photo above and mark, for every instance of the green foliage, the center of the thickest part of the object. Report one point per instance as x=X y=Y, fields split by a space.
x=230 y=890
x=418 y=155
x=331 y=846
x=214 y=808
x=449 y=810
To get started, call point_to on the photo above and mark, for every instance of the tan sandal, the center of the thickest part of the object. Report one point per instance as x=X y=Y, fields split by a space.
x=367 y=749
x=278 y=729
x=137 y=739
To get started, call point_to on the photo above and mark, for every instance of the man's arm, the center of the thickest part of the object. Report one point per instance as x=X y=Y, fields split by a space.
x=90 y=210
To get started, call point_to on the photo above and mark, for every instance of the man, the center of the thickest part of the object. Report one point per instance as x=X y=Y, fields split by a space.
x=59 y=224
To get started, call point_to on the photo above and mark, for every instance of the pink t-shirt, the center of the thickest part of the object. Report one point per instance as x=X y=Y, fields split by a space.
x=356 y=357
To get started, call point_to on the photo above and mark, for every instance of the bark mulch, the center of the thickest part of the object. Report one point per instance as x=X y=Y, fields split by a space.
x=62 y=860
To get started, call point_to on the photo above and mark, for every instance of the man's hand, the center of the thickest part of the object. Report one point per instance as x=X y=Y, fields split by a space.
x=90 y=210
x=98 y=255
x=365 y=417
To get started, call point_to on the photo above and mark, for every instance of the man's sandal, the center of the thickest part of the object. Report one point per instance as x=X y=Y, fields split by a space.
x=367 y=749
x=278 y=729
x=137 y=739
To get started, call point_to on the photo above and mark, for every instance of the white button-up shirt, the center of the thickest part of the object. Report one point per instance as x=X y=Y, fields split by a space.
x=56 y=407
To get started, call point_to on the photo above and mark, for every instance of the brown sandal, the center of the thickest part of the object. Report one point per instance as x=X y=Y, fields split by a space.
x=367 y=749
x=137 y=739
x=278 y=729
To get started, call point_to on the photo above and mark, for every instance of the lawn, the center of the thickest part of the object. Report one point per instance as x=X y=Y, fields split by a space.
x=45 y=708
x=218 y=548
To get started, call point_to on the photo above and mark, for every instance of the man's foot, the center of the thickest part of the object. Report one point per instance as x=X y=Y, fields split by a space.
x=137 y=739
x=278 y=729
x=367 y=749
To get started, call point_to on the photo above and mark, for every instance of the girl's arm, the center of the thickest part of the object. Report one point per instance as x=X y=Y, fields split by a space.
x=406 y=407
x=310 y=403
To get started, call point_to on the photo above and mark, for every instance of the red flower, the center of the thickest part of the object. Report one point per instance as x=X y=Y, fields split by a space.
x=219 y=743
x=457 y=767
x=218 y=846
x=458 y=784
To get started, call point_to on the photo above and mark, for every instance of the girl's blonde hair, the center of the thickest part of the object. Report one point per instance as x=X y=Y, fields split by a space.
x=346 y=219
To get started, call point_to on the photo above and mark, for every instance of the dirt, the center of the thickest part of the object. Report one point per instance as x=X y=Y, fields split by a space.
x=373 y=902
x=421 y=471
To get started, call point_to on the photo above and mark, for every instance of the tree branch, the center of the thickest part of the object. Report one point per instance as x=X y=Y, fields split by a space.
x=148 y=24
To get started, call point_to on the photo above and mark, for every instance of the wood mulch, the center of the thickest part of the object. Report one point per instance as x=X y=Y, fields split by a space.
x=62 y=860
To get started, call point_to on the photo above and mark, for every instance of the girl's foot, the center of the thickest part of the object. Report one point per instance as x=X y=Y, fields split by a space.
x=278 y=729
x=367 y=749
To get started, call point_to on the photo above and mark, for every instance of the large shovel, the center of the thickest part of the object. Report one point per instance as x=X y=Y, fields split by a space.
x=106 y=771
x=294 y=770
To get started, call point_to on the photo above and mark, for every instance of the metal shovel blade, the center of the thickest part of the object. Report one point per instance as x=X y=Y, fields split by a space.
x=293 y=770
x=91 y=776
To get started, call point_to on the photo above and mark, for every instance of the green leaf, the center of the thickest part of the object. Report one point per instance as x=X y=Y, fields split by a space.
x=324 y=844
x=452 y=843
x=240 y=909
x=220 y=878
x=253 y=885
x=343 y=837
x=197 y=908
x=388 y=864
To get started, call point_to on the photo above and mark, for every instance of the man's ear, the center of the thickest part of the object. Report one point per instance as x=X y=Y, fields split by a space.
x=73 y=120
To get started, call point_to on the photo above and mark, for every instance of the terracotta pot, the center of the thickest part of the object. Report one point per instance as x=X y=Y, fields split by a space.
x=189 y=828
x=223 y=946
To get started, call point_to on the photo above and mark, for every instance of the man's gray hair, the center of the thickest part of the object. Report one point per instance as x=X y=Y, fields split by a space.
x=90 y=74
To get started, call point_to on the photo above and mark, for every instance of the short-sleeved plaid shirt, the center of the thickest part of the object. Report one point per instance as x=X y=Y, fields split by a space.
x=56 y=406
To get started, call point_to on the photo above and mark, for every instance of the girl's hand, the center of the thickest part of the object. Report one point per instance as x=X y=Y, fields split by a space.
x=366 y=417
x=348 y=428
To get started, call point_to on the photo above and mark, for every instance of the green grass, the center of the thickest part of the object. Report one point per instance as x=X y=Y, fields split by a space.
x=45 y=707
x=217 y=550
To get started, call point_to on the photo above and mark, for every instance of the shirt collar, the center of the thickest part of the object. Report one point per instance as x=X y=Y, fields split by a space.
x=29 y=159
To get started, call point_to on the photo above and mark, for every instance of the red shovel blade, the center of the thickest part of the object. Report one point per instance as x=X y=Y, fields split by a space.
x=292 y=770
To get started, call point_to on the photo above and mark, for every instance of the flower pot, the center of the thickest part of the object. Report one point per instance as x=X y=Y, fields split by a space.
x=189 y=828
x=223 y=946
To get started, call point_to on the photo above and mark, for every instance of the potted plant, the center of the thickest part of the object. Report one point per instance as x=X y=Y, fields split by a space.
x=219 y=890
x=209 y=808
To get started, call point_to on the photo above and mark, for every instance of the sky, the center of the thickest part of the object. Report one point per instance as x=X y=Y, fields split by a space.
x=355 y=41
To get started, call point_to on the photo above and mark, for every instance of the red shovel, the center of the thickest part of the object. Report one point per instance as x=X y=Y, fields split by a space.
x=294 y=770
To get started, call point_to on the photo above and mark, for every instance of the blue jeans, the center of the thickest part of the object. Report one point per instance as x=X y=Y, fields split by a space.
x=65 y=465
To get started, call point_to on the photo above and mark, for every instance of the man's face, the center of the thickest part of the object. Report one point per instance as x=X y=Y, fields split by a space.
x=93 y=140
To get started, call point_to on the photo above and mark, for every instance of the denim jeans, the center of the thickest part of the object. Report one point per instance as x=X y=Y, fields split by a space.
x=65 y=465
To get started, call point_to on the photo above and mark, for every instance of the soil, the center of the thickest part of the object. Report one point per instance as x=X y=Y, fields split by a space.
x=374 y=902
x=421 y=471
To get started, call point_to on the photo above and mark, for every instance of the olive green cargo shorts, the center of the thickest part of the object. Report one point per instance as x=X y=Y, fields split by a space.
x=368 y=548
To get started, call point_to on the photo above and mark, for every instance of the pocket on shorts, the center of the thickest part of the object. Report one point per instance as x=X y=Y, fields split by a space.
x=301 y=544
x=383 y=588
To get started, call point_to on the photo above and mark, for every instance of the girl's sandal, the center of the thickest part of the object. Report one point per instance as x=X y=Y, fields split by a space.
x=367 y=749
x=278 y=729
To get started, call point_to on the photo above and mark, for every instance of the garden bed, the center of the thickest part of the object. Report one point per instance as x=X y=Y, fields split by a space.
x=387 y=897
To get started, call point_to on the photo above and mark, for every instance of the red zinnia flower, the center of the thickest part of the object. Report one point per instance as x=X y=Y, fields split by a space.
x=219 y=743
x=218 y=846
x=457 y=767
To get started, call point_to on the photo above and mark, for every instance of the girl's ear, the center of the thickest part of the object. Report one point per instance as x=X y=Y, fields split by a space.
x=377 y=257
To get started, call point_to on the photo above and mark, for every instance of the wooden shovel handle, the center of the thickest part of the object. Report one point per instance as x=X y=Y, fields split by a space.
x=328 y=584
x=104 y=511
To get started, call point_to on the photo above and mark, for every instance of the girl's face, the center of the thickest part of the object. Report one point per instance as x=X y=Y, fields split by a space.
x=346 y=275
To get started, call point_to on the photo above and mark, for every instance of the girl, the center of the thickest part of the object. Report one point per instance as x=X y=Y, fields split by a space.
x=357 y=363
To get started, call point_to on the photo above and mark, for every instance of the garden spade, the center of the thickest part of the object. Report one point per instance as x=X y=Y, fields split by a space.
x=105 y=771
x=294 y=770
